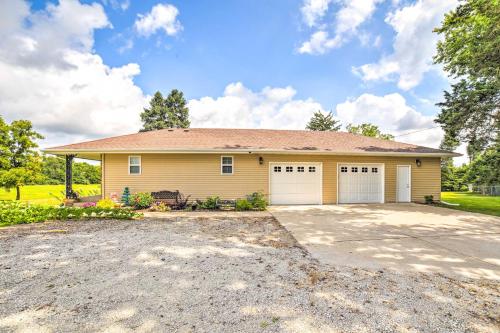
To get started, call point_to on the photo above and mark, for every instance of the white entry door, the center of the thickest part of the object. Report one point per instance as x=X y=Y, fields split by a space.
x=404 y=183
x=360 y=183
x=295 y=183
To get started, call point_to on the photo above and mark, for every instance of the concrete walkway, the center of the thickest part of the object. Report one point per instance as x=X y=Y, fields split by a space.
x=398 y=236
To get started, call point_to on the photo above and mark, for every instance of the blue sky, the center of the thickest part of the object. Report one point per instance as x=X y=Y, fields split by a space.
x=254 y=42
x=260 y=64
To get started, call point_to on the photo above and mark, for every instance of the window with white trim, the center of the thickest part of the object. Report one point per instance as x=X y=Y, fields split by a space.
x=289 y=169
x=343 y=169
x=134 y=165
x=277 y=169
x=364 y=169
x=226 y=165
x=374 y=170
x=300 y=169
x=312 y=169
x=354 y=169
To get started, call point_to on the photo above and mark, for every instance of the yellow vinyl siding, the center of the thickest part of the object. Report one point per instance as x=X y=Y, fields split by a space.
x=199 y=175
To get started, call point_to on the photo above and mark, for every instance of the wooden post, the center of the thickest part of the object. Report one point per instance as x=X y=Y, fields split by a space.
x=70 y=194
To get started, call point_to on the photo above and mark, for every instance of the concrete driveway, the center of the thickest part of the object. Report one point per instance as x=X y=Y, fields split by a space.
x=398 y=236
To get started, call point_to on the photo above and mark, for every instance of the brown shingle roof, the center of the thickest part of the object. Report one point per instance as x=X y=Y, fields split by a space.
x=217 y=139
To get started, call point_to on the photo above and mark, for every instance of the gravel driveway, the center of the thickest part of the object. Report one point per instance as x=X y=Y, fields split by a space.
x=216 y=274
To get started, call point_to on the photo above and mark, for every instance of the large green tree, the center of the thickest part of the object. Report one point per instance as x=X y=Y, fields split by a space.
x=4 y=148
x=470 y=53
x=179 y=112
x=170 y=112
x=369 y=130
x=22 y=164
x=54 y=170
x=323 y=122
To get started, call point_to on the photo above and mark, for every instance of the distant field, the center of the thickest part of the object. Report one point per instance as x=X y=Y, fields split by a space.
x=40 y=194
x=473 y=202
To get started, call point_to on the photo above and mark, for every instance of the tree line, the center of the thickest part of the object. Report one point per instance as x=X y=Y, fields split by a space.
x=326 y=122
x=21 y=164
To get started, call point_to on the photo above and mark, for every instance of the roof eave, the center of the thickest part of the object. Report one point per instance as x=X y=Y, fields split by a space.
x=56 y=151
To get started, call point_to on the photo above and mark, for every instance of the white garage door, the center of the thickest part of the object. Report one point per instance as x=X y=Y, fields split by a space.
x=295 y=183
x=361 y=183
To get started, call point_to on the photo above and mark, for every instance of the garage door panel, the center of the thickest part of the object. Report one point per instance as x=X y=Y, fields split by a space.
x=360 y=183
x=300 y=185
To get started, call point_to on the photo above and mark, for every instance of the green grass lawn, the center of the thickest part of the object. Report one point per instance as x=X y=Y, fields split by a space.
x=473 y=202
x=40 y=194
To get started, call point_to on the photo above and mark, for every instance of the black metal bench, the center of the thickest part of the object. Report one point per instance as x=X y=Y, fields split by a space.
x=174 y=199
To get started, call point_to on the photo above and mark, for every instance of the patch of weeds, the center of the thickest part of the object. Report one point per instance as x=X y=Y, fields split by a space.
x=315 y=276
x=264 y=324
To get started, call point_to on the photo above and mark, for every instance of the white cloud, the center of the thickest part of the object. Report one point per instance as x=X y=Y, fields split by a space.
x=127 y=45
x=414 y=44
x=348 y=19
x=240 y=107
x=43 y=42
x=162 y=16
x=314 y=10
x=320 y=43
x=353 y=14
x=393 y=115
x=49 y=75
x=116 y=4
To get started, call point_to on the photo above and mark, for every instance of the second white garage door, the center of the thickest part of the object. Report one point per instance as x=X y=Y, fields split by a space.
x=295 y=183
x=360 y=183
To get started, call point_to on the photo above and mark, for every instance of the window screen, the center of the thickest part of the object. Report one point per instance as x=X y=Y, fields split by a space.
x=227 y=165
x=134 y=165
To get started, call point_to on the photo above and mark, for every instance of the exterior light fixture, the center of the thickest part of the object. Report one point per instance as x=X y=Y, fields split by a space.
x=261 y=160
x=418 y=163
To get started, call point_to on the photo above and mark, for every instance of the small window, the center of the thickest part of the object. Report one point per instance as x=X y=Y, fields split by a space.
x=277 y=169
x=374 y=170
x=289 y=169
x=312 y=169
x=354 y=169
x=227 y=165
x=300 y=169
x=343 y=169
x=364 y=169
x=134 y=165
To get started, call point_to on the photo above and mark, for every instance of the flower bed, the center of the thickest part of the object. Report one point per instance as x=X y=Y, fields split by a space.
x=12 y=212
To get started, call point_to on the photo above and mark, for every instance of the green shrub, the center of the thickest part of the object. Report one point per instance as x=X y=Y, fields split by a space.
x=257 y=200
x=429 y=199
x=12 y=212
x=210 y=203
x=243 y=204
x=142 y=200
x=106 y=203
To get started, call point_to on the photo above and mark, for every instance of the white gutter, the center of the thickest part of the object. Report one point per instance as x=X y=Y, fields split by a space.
x=243 y=151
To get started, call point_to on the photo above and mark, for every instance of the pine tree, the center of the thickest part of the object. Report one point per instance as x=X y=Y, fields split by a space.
x=170 y=112
x=126 y=197
x=155 y=117
x=178 y=112
x=322 y=122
